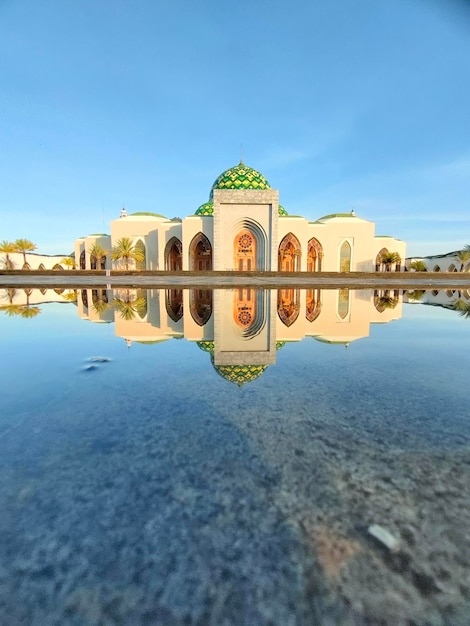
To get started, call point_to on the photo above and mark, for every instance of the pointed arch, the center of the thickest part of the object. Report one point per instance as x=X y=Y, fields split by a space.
x=200 y=305
x=139 y=246
x=174 y=255
x=200 y=253
x=41 y=267
x=314 y=255
x=436 y=268
x=82 y=262
x=379 y=259
x=26 y=266
x=345 y=257
x=57 y=267
x=452 y=268
x=289 y=254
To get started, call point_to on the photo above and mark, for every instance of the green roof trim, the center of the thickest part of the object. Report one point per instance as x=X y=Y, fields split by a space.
x=327 y=217
x=98 y=235
x=149 y=214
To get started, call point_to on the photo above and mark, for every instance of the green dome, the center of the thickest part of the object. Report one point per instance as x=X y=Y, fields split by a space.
x=240 y=177
x=205 y=209
x=282 y=212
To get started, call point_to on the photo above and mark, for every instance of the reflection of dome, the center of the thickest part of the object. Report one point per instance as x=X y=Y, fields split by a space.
x=239 y=374
x=206 y=346
x=205 y=209
x=240 y=177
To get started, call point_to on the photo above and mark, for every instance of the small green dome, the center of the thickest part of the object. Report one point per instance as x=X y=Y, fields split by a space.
x=239 y=374
x=205 y=209
x=282 y=212
x=240 y=177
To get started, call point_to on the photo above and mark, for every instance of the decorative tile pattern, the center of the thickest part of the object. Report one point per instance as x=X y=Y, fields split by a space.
x=205 y=209
x=240 y=177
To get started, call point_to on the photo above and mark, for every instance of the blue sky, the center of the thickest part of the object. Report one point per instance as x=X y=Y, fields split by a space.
x=340 y=104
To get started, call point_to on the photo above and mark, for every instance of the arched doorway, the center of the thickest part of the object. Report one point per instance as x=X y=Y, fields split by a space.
x=345 y=257
x=200 y=254
x=314 y=255
x=174 y=255
x=82 y=260
x=245 y=251
x=379 y=259
x=289 y=254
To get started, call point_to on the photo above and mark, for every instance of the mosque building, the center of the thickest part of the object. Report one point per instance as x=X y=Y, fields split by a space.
x=242 y=227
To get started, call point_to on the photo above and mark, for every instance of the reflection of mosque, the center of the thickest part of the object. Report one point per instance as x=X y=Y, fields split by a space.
x=241 y=328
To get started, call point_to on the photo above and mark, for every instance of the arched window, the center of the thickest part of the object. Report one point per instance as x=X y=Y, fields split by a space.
x=345 y=257
x=174 y=256
x=200 y=305
x=436 y=268
x=452 y=268
x=82 y=260
x=26 y=266
x=245 y=251
x=57 y=266
x=41 y=267
x=174 y=303
x=288 y=305
x=314 y=255
x=313 y=308
x=140 y=247
x=289 y=254
x=200 y=253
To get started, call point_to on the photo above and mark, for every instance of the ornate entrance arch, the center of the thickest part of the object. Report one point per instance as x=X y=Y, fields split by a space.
x=289 y=254
x=200 y=253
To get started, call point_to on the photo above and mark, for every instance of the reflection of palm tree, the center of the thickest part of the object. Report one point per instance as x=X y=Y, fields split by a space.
x=416 y=295
x=11 y=309
x=99 y=300
x=97 y=254
x=29 y=312
x=7 y=248
x=386 y=302
x=128 y=307
x=124 y=250
x=70 y=295
x=24 y=246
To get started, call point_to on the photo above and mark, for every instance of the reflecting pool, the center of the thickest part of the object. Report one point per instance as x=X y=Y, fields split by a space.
x=234 y=457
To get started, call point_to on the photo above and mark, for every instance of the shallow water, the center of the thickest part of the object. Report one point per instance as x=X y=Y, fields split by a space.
x=145 y=487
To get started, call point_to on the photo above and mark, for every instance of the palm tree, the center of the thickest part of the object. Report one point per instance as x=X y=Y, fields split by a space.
x=7 y=248
x=69 y=262
x=463 y=256
x=24 y=246
x=418 y=266
x=126 y=251
x=97 y=254
x=388 y=258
